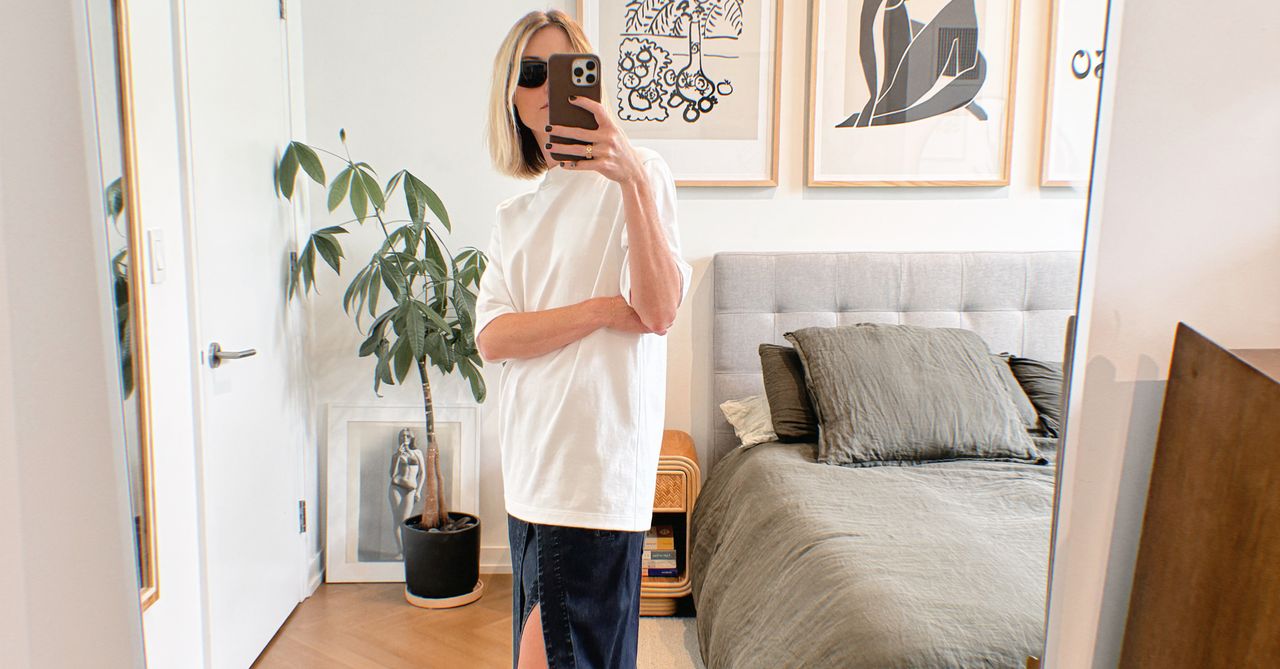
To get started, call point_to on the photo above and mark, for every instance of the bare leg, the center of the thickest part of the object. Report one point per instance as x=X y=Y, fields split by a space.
x=533 y=653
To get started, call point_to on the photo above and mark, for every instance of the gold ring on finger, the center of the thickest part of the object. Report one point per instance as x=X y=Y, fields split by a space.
x=590 y=147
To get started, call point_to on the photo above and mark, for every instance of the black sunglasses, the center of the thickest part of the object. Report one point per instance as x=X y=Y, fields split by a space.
x=533 y=73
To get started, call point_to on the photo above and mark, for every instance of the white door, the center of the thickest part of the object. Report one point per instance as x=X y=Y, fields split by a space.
x=254 y=409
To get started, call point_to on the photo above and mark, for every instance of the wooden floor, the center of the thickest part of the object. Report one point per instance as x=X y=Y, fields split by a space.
x=371 y=625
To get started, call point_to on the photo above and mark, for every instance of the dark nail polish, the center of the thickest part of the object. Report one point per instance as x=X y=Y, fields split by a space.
x=548 y=128
x=573 y=97
x=548 y=146
x=561 y=164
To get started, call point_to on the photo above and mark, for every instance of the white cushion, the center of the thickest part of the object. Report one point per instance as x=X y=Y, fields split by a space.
x=750 y=419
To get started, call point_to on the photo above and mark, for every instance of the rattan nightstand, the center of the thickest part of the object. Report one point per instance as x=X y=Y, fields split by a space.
x=679 y=480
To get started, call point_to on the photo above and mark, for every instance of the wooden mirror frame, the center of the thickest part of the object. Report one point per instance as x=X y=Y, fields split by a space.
x=148 y=569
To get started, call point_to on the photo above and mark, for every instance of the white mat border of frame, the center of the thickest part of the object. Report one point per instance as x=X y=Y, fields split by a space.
x=339 y=568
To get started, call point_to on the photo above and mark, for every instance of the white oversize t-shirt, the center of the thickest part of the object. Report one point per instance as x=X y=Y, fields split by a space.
x=579 y=428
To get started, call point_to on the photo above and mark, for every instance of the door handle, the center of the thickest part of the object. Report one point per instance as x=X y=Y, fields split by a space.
x=217 y=355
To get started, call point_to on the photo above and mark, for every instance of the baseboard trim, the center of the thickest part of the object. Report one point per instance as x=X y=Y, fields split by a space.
x=315 y=573
x=495 y=560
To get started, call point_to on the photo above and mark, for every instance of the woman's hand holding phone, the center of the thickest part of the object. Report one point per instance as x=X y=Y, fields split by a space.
x=608 y=151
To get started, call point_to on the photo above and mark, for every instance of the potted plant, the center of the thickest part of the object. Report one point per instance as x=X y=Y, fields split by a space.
x=430 y=318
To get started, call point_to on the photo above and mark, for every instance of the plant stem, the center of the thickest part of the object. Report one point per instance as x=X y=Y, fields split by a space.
x=433 y=511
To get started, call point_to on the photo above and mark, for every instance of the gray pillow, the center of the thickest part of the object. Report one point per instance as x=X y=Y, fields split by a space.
x=790 y=409
x=1042 y=382
x=902 y=394
x=1026 y=410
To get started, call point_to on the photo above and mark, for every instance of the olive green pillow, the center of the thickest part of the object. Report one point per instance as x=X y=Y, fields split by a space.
x=903 y=394
x=789 y=405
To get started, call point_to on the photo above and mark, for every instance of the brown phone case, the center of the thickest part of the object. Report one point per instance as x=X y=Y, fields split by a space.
x=561 y=85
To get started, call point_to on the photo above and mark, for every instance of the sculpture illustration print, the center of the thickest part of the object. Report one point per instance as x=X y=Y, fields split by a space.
x=928 y=69
x=649 y=88
x=408 y=474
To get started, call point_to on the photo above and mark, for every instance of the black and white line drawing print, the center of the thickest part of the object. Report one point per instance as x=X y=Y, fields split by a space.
x=928 y=69
x=650 y=87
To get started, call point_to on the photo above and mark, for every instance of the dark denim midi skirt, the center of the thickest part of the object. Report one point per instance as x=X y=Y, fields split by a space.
x=588 y=582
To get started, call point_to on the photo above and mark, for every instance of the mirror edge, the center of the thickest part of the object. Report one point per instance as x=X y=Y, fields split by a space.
x=149 y=592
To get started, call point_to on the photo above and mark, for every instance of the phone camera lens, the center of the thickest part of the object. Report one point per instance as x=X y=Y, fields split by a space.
x=591 y=78
x=591 y=65
x=577 y=72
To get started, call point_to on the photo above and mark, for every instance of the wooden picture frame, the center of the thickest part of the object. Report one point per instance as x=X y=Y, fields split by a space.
x=1073 y=82
x=954 y=129
x=716 y=140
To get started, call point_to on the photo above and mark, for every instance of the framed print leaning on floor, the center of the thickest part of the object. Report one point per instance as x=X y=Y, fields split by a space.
x=916 y=93
x=695 y=80
x=375 y=471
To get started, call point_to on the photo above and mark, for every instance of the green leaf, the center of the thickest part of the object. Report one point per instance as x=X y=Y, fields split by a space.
x=391 y=276
x=425 y=194
x=310 y=161
x=288 y=171
x=431 y=314
x=474 y=376
x=372 y=189
x=415 y=330
x=375 y=289
x=393 y=182
x=464 y=306
x=435 y=258
x=357 y=197
x=403 y=359
x=338 y=189
x=434 y=347
x=306 y=266
x=417 y=208
x=371 y=344
x=380 y=323
x=355 y=290
x=329 y=249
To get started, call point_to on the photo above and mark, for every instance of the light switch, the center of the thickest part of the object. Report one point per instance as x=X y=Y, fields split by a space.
x=155 y=254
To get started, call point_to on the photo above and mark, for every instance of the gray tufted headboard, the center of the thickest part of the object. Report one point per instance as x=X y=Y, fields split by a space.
x=1017 y=302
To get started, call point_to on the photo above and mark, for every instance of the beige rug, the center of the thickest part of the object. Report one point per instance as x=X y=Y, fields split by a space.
x=669 y=643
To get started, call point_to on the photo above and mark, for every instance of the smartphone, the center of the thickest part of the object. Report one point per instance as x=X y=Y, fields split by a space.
x=572 y=74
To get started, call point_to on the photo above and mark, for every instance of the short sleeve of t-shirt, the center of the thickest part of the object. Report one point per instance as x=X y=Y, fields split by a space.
x=663 y=186
x=494 y=297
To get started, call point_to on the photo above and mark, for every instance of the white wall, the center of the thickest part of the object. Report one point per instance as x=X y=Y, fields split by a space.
x=409 y=82
x=14 y=630
x=70 y=595
x=1185 y=226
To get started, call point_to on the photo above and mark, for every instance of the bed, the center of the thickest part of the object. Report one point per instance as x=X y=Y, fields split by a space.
x=796 y=563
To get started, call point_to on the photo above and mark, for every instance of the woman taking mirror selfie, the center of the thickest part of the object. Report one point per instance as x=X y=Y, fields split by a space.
x=585 y=279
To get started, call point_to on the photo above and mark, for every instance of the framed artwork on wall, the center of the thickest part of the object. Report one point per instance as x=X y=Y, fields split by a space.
x=375 y=476
x=696 y=81
x=913 y=93
x=1073 y=81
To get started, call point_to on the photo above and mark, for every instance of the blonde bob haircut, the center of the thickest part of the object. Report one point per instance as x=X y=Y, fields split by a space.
x=512 y=146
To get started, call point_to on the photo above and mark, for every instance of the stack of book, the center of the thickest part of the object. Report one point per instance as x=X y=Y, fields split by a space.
x=659 y=557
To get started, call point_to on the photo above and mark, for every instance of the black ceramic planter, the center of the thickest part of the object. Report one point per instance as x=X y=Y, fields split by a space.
x=440 y=565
